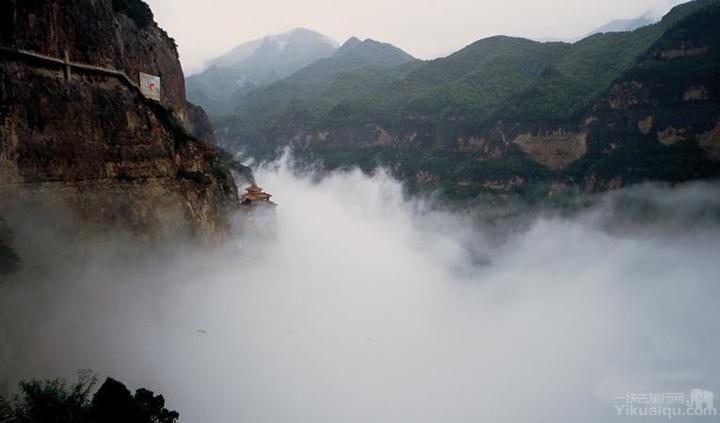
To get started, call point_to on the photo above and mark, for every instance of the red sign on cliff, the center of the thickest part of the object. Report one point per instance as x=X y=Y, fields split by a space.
x=150 y=86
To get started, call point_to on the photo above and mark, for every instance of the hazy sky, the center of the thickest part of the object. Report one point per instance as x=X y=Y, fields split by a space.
x=424 y=28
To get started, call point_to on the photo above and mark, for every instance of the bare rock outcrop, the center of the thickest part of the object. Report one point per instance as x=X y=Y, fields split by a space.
x=626 y=94
x=710 y=142
x=555 y=150
x=671 y=136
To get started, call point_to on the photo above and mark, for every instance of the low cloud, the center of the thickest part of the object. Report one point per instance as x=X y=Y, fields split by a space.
x=355 y=304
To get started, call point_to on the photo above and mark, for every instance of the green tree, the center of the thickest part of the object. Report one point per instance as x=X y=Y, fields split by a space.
x=56 y=401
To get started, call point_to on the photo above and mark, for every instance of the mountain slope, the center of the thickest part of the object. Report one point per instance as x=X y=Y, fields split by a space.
x=254 y=64
x=504 y=114
x=568 y=87
x=236 y=55
x=354 y=54
x=477 y=78
x=488 y=80
x=623 y=25
x=286 y=101
x=663 y=113
x=368 y=81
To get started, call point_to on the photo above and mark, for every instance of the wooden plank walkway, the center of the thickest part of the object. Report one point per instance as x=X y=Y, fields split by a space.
x=162 y=112
x=67 y=64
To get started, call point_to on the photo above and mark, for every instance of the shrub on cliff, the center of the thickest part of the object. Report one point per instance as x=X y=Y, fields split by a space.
x=137 y=10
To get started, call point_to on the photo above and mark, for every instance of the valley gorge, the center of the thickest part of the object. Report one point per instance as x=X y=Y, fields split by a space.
x=307 y=231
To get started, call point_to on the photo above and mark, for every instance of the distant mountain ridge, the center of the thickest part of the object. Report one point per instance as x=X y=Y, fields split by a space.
x=352 y=55
x=254 y=64
x=505 y=114
x=312 y=83
x=624 y=25
x=245 y=50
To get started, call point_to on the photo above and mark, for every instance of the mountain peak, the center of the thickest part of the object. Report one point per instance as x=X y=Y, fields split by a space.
x=299 y=36
x=256 y=63
x=302 y=30
x=373 y=51
x=350 y=43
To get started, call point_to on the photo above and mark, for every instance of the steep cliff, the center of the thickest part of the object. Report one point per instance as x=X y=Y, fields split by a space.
x=200 y=123
x=117 y=34
x=83 y=137
x=203 y=130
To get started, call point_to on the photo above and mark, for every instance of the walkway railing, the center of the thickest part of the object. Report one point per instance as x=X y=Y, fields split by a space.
x=69 y=65
x=161 y=111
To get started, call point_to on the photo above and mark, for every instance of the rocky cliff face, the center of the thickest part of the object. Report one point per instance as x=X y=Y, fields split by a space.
x=200 y=122
x=118 y=34
x=89 y=141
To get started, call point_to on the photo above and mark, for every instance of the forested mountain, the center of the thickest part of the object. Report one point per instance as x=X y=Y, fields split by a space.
x=499 y=114
x=254 y=64
x=317 y=88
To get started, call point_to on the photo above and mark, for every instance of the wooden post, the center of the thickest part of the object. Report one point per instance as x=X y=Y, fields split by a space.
x=67 y=65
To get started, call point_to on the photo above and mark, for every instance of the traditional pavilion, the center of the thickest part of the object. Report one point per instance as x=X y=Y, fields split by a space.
x=255 y=197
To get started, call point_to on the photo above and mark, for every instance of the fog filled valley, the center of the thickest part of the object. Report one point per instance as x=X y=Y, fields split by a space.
x=356 y=303
x=379 y=212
